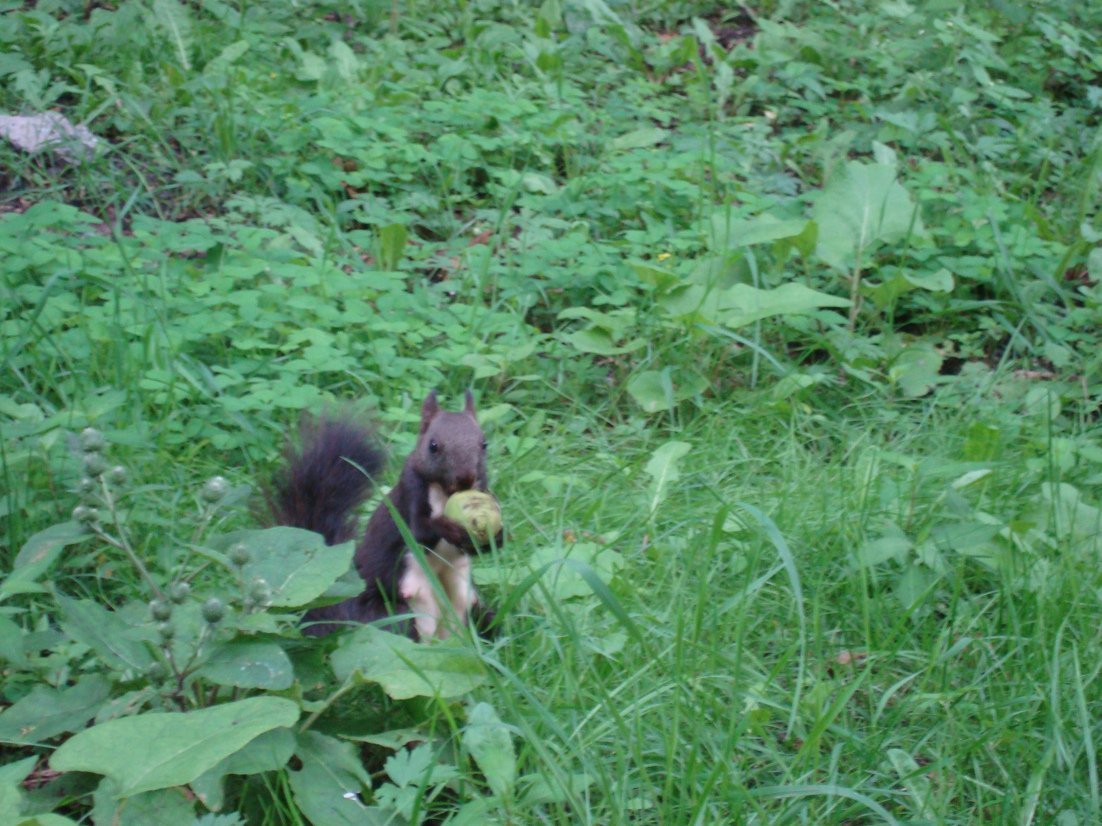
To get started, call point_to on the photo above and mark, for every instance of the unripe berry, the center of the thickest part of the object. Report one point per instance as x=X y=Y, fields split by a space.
x=117 y=475
x=167 y=631
x=94 y=465
x=91 y=440
x=85 y=514
x=239 y=555
x=215 y=489
x=179 y=592
x=213 y=610
x=260 y=592
x=161 y=610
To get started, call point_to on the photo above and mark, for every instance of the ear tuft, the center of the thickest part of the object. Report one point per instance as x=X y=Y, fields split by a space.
x=429 y=408
x=468 y=403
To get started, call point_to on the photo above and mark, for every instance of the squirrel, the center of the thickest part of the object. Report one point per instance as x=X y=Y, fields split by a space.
x=331 y=475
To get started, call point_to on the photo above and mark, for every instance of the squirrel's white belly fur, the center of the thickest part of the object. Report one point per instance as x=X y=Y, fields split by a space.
x=452 y=569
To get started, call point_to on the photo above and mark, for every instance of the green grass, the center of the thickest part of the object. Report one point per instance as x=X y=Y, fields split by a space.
x=775 y=556
x=774 y=676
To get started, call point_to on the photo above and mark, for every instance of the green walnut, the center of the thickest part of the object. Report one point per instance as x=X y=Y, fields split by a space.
x=477 y=511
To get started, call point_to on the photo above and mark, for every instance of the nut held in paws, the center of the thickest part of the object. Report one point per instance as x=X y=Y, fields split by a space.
x=477 y=511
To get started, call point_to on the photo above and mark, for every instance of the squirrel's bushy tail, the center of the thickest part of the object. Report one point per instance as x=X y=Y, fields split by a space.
x=326 y=479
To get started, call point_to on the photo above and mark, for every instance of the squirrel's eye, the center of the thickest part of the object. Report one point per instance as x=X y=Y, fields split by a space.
x=484 y=446
x=433 y=446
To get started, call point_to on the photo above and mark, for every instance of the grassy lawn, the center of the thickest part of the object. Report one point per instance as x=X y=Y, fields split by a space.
x=784 y=324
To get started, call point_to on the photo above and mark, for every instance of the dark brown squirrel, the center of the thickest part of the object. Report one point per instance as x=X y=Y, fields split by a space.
x=332 y=474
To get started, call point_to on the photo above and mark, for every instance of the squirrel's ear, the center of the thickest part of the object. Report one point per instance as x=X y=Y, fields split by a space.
x=429 y=408
x=468 y=403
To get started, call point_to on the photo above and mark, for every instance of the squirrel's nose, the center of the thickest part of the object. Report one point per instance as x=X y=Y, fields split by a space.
x=464 y=482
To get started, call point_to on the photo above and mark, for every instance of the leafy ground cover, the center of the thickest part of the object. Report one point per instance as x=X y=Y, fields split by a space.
x=784 y=324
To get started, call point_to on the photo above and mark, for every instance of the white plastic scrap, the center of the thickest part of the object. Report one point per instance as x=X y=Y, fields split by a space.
x=49 y=130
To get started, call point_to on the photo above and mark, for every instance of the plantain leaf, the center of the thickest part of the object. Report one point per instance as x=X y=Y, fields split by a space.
x=663 y=469
x=743 y=304
x=861 y=208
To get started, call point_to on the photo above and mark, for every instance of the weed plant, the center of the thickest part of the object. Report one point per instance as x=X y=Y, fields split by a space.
x=784 y=321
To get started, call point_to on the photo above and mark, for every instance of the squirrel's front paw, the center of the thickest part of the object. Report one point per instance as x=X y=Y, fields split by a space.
x=451 y=531
x=484 y=620
x=490 y=544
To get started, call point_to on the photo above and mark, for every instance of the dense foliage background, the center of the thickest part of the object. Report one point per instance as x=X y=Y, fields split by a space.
x=784 y=321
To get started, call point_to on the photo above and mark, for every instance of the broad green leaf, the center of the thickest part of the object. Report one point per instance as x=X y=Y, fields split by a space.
x=639 y=139
x=117 y=642
x=12 y=638
x=47 y=712
x=311 y=66
x=476 y=812
x=163 y=749
x=797 y=384
x=544 y=787
x=409 y=768
x=345 y=61
x=226 y=58
x=297 y=564
x=328 y=786
x=175 y=21
x=603 y=330
x=490 y=742
x=156 y=808
x=661 y=279
x=11 y=788
x=407 y=669
x=536 y=182
x=323 y=799
x=600 y=341
x=44 y=546
x=892 y=546
x=1094 y=264
x=982 y=443
x=691 y=302
x=970 y=478
x=663 y=469
x=392 y=241
x=562 y=581
x=268 y=752
x=248 y=664
x=656 y=390
x=742 y=304
x=339 y=755
x=899 y=282
x=38 y=554
x=884 y=154
x=1070 y=517
x=858 y=210
x=47 y=819
x=916 y=370
x=391 y=740
x=975 y=540
x=914 y=585
x=731 y=233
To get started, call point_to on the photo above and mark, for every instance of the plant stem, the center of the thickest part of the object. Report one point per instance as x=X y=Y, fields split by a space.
x=121 y=542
